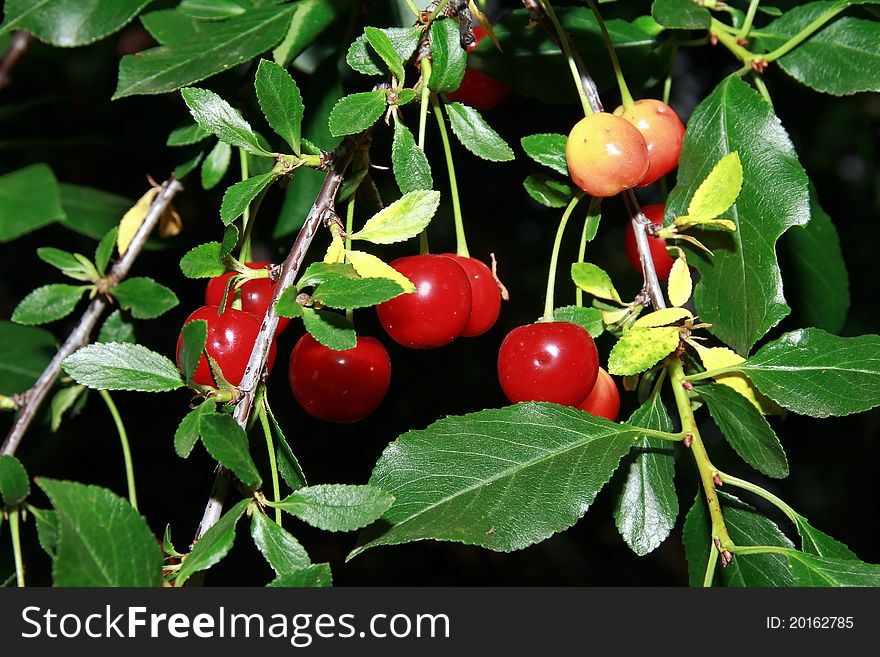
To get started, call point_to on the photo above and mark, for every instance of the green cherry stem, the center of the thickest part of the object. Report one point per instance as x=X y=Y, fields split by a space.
x=554 y=258
x=760 y=492
x=460 y=239
x=750 y=17
x=425 y=64
x=625 y=96
x=710 y=567
x=762 y=88
x=349 y=226
x=263 y=413
x=245 y=253
x=123 y=440
x=412 y=7
x=591 y=223
x=805 y=33
x=14 y=533
x=760 y=549
x=711 y=374
x=569 y=56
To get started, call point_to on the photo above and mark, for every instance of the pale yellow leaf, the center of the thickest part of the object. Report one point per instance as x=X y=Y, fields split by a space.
x=614 y=316
x=336 y=250
x=369 y=266
x=680 y=284
x=663 y=317
x=170 y=223
x=133 y=219
x=686 y=221
x=714 y=358
x=719 y=190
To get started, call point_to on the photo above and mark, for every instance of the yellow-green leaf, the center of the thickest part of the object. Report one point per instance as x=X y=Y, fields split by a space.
x=714 y=358
x=680 y=286
x=369 y=266
x=133 y=219
x=335 y=251
x=403 y=219
x=663 y=317
x=719 y=190
x=641 y=348
x=594 y=280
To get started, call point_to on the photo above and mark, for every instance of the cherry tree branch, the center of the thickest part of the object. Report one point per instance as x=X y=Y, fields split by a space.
x=29 y=401
x=17 y=48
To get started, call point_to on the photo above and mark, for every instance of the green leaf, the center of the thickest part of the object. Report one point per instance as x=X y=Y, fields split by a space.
x=403 y=219
x=25 y=351
x=288 y=465
x=216 y=164
x=310 y=19
x=14 y=483
x=588 y=318
x=283 y=552
x=681 y=15
x=319 y=272
x=364 y=59
x=740 y=291
x=189 y=430
x=336 y=507
x=814 y=272
x=102 y=539
x=476 y=135
x=819 y=543
x=187 y=135
x=48 y=303
x=29 y=199
x=411 y=169
x=814 y=373
x=61 y=260
x=47 y=529
x=748 y=527
x=183 y=169
x=211 y=9
x=647 y=508
x=719 y=190
x=122 y=366
x=547 y=149
x=203 y=261
x=90 y=212
x=448 y=58
x=502 y=478
x=811 y=570
x=228 y=444
x=356 y=112
x=116 y=329
x=330 y=329
x=287 y=305
x=345 y=292
x=144 y=297
x=237 y=198
x=219 y=118
x=697 y=540
x=63 y=401
x=104 y=251
x=842 y=58
x=640 y=349
x=214 y=545
x=230 y=239
x=594 y=280
x=301 y=192
x=548 y=191
x=69 y=23
x=194 y=337
x=385 y=49
x=217 y=47
x=314 y=576
x=280 y=101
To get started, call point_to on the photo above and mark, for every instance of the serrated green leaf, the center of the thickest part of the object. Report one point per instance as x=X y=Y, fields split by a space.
x=547 y=149
x=216 y=164
x=318 y=272
x=403 y=219
x=748 y=527
x=345 y=292
x=330 y=329
x=48 y=303
x=280 y=101
x=647 y=507
x=62 y=260
x=183 y=169
x=144 y=297
x=283 y=552
x=62 y=402
x=214 y=545
x=594 y=280
x=104 y=251
x=336 y=507
x=219 y=118
x=356 y=112
x=112 y=547
x=47 y=529
x=811 y=570
x=588 y=318
x=819 y=543
x=208 y=10
x=116 y=329
x=386 y=50
x=228 y=444
x=203 y=261
x=476 y=135
x=14 y=483
x=448 y=58
x=29 y=199
x=548 y=191
x=411 y=168
x=237 y=198
x=740 y=292
x=745 y=429
x=188 y=431
x=230 y=239
x=287 y=305
x=719 y=190
x=697 y=540
x=69 y=23
x=681 y=15
x=641 y=348
x=318 y=575
x=288 y=465
x=91 y=212
x=25 y=351
x=814 y=373
x=364 y=59
x=310 y=19
x=194 y=337
x=186 y=135
x=503 y=479
x=122 y=366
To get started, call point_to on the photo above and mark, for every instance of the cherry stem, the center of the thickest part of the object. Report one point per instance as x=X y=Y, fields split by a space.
x=126 y=450
x=805 y=33
x=245 y=253
x=750 y=17
x=412 y=7
x=562 y=38
x=762 y=88
x=349 y=226
x=460 y=239
x=761 y=492
x=710 y=567
x=262 y=406
x=554 y=258
x=589 y=221
x=14 y=533
x=625 y=96
x=425 y=64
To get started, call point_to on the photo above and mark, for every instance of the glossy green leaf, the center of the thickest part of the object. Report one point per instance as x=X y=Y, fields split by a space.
x=594 y=280
x=403 y=219
x=104 y=251
x=287 y=305
x=188 y=431
x=29 y=199
x=639 y=349
x=194 y=336
x=219 y=46
x=588 y=318
x=310 y=19
x=356 y=112
x=47 y=529
x=216 y=164
x=214 y=545
x=318 y=575
x=182 y=170
x=501 y=478
x=448 y=58
x=65 y=399
x=647 y=507
x=819 y=543
x=681 y=14
x=237 y=198
x=14 y=483
x=62 y=260
x=548 y=191
x=228 y=444
x=68 y=23
x=547 y=149
x=740 y=291
x=345 y=292
x=281 y=102
x=318 y=272
x=91 y=212
x=203 y=261
x=25 y=351
x=366 y=59
x=336 y=507
x=411 y=169
x=386 y=50
x=476 y=135
x=697 y=540
x=748 y=527
x=288 y=465
x=811 y=570
x=116 y=329
x=750 y=435
x=211 y=9
x=48 y=303
x=122 y=366
x=102 y=539
x=144 y=297
x=330 y=329
x=283 y=552
x=219 y=118
x=187 y=135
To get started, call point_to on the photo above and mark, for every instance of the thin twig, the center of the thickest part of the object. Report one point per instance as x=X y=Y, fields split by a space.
x=80 y=335
x=17 y=48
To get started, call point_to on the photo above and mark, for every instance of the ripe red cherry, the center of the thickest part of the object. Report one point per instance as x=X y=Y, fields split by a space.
x=485 y=295
x=439 y=309
x=231 y=338
x=548 y=361
x=339 y=386
x=604 y=399
x=255 y=294
x=662 y=260
x=478 y=89
x=663 y=132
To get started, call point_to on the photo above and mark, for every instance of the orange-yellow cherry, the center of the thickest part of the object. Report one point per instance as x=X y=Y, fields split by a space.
x=663 y=132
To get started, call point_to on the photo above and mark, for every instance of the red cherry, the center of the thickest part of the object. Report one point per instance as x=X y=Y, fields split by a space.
x=231 y=338
x=604 y=399
x=478 y=89
x=255 y=294
x=485 y=295
x=439 y=309
x=663 y=132
x=548 y=361
x=662 y=260
x=339 y=386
